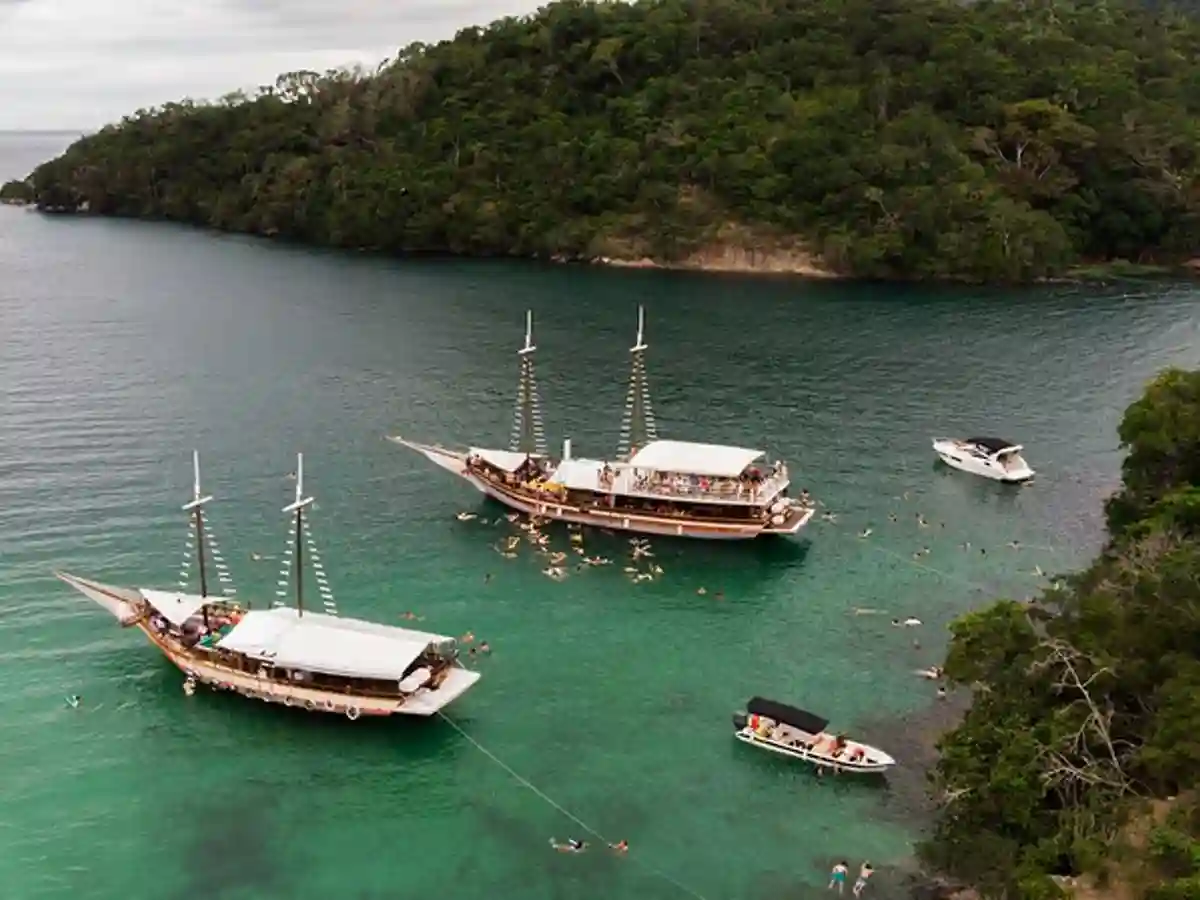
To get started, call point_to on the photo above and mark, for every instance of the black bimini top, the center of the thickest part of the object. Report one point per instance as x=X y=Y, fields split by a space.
x=991 y=444
x=789 y=715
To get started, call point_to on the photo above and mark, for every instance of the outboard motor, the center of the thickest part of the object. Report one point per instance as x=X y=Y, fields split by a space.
x=740 y=720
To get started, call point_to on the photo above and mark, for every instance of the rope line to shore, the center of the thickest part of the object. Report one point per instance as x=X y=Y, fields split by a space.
x=525 y=782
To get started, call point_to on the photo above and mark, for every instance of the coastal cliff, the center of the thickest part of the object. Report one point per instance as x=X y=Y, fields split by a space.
x=1074 y=772
x=988 y=141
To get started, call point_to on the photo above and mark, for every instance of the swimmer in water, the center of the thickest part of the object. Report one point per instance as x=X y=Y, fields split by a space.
x=620 y=847
x=73 y=701
x=573 y=845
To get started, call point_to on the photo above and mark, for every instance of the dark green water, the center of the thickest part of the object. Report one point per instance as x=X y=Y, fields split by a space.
x=126 y=345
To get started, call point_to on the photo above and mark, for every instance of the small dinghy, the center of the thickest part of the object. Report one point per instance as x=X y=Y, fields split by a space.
x=990 y=457
x=801 y=735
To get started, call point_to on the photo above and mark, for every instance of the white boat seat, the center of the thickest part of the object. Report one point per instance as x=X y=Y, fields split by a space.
x=415 y=680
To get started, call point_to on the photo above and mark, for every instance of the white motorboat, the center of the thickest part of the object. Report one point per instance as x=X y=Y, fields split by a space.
x=990 y=457
x=790 y=731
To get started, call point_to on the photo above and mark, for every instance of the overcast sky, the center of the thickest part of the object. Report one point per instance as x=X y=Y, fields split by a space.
x=77 y=64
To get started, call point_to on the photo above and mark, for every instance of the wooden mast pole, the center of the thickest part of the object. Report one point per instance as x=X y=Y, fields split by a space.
x=195 y=507
x=638 y=422
x=527 y=433
x=298 y=508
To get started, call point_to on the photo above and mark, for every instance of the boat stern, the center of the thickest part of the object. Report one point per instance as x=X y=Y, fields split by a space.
x=740 y=721
x=1016 y=469
x=426 y=703
x=122 y=603
x=791 y=520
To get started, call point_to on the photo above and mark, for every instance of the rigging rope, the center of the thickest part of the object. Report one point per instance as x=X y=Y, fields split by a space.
x=525 y=782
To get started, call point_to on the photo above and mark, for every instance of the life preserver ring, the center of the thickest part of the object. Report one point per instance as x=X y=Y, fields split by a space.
x=328 y=706
x=352 y=713
x=309 y=705
x=287 y=700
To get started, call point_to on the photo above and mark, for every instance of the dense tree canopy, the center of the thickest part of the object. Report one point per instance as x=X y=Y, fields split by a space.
x=915 y=138
x=1086 y=704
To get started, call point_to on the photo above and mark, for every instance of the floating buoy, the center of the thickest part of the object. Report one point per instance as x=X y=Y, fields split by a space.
x=352 y=713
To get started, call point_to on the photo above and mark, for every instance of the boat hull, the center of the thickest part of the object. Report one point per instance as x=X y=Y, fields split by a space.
x=964 y=462
x=616 y=520
x=799 y=753
x=204 y=668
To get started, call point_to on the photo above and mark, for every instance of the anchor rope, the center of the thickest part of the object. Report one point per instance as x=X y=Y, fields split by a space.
x=916 y=563
x=525 y=782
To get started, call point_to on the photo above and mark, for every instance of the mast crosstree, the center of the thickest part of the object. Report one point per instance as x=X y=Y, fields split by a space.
x=527 y=433
x=291 y=571
x=637 y=424
x=201 y=542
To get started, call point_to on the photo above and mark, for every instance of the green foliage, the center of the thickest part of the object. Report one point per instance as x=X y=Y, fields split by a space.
x=1175 y=851
x=1162 y=434
x=925 y=139
x=1088 y=702
x=16 y=192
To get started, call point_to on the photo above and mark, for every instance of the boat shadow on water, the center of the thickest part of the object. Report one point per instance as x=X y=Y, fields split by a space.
x=419 y=737
x=765 y=550
x=986 y=490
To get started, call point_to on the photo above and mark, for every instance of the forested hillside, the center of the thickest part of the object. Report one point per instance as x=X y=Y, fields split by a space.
x=892 y=138
x=1080 y=754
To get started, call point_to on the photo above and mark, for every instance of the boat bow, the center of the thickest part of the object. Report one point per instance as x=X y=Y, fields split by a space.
x=451 y=460
x=121 y=602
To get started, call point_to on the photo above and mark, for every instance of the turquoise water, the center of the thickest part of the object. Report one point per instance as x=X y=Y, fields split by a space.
x=127 y=345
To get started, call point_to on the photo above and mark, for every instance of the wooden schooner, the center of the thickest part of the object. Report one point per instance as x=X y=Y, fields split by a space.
x=317 y=661
x=650 y=486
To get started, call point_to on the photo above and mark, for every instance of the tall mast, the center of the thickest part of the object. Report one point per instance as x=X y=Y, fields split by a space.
x=206 y=545
x=196 y=508
x=527 y=434
x=298 y=545
x=637 y=422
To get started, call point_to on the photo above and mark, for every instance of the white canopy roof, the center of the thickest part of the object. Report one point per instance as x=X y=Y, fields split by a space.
x=176 y=608
x=505 y=460
x=687 y=458
x=578 y=474
x=317 y=642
